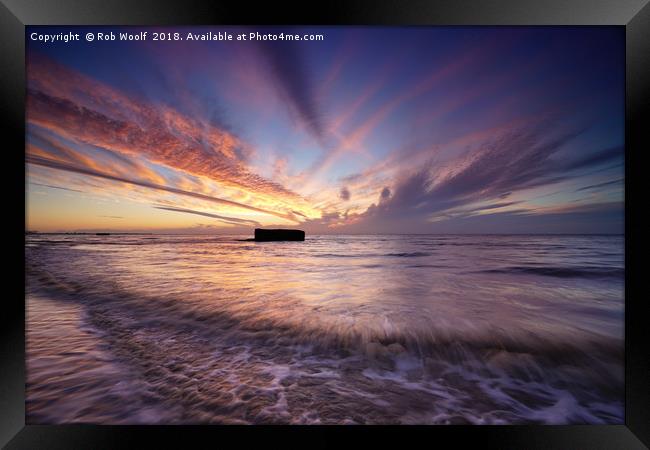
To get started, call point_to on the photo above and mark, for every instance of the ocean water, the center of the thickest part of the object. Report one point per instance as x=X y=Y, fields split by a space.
x=417 y=329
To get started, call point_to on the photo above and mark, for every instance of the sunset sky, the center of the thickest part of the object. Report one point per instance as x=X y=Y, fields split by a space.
x=372 y=130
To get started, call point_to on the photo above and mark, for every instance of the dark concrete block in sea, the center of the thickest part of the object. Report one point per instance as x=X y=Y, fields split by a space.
x=279 y=235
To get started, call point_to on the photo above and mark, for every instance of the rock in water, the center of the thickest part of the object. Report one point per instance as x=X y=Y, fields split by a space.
x=279 y=235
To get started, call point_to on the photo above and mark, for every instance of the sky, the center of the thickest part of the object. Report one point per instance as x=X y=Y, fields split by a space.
x=370 y=130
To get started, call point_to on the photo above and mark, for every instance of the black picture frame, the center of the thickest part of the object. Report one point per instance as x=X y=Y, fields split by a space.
x=634 y=15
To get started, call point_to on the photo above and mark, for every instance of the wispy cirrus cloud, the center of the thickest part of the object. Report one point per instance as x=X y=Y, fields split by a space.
x=56 y=187
x=84 y=110
x=618 y=182
x=294 y=82
x=68 y=167
x=224 y=219
x=81 y=110
x=515 y=161
x=383 y=130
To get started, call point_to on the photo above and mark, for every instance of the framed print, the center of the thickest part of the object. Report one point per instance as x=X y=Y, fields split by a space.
x=373 y=222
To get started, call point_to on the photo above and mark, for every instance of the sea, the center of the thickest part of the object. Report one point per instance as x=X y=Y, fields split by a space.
x=381 y=329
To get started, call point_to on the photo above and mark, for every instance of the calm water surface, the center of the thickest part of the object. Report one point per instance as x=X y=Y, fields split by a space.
x=337 y=329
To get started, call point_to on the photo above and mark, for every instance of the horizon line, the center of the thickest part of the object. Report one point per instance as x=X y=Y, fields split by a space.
x=27 y=232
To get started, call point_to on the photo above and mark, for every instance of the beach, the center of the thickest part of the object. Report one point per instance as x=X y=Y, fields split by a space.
x=377 y=329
